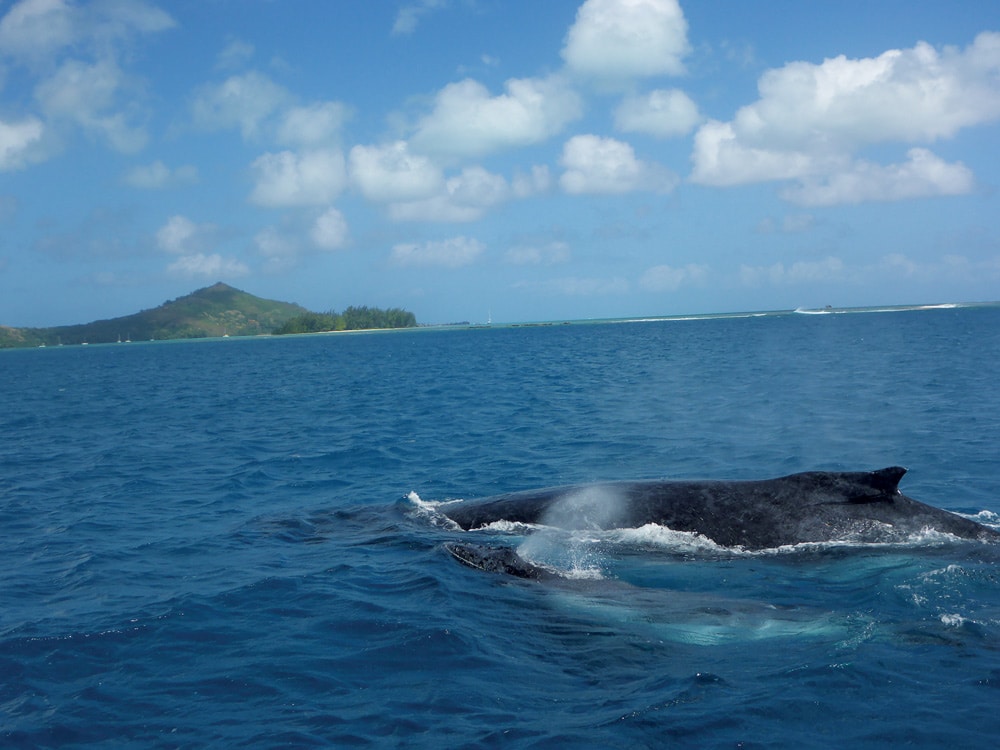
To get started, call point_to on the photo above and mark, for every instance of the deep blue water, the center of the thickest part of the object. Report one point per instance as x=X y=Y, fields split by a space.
x=210 y=544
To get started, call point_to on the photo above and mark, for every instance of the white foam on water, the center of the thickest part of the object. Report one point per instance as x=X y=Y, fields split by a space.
x=954 y=620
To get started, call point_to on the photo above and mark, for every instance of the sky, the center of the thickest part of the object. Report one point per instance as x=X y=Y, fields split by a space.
x=512 y=160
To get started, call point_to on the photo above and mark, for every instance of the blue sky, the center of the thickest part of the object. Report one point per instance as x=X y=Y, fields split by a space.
x=533 y=160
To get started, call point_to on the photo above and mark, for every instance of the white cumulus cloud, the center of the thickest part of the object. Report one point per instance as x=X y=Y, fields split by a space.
x=622 y=39
x=392 y=173
x=310 y=178
x=72 y=52
x=242 y=101
x=312 y=125
x=329 y=231
x=663 y=113
x=86 y=94
x=811 y=120
x=18 y=141
x=210 y=266
x=468 y=121
x=464 y=197
x=605 y=165
x=181 y=236
x=34 y=31
x=452 y=253
x=922 y=175
x=408 y=17
x=191 y=241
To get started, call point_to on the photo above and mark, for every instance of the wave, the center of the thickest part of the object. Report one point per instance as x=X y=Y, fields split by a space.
x=830 y=310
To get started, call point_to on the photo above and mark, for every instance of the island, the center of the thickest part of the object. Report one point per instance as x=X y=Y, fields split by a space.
x=215 y=311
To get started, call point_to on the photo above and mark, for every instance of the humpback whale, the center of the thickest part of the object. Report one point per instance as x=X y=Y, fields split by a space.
x=813 y=506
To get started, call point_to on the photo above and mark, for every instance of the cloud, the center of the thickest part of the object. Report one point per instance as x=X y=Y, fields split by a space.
x=272 y=244
x=409 y=16
x=311 y=178
x=468 y=122
x=811 y=120
x=465 y=197
x=190 y=241
x=666 y=278
x=605 y=165
x=181 y=236
x=210 y=266
x=35 y=31
x=391 y=173
x=663 y=113
x=828 y=269
x=86 y=94
x=18 y=143
x=923 y=175
x=416 y=190
x=87 y=90
x=721 y=159
x=280 y=252
x=622 y=39
x=550 y=254
x=536 y=181
x=234 y=55
x=313 y=125
x=881 y=271
x=329 y=231
x=241 y=101
x=453 y=253
x=951 y=267
x=158 y=175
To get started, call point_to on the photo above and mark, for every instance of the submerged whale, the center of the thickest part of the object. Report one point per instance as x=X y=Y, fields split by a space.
x=814 y=506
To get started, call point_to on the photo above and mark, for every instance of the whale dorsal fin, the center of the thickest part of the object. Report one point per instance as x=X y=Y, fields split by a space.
x=884 y=482
x=887 y=479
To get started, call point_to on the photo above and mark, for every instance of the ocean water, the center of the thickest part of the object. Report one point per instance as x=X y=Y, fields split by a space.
x=233 y=543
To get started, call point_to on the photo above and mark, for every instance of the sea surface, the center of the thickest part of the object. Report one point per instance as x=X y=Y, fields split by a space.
x=234 y=543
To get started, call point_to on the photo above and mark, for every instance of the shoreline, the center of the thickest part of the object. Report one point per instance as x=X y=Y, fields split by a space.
x=466 y=326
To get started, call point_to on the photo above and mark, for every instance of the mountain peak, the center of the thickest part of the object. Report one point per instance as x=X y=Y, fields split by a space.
x=215 y=310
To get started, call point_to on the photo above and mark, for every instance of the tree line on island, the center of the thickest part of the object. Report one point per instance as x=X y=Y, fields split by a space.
x=352 y=319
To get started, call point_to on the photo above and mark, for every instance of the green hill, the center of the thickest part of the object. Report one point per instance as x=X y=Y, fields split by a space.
x=213 y=311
